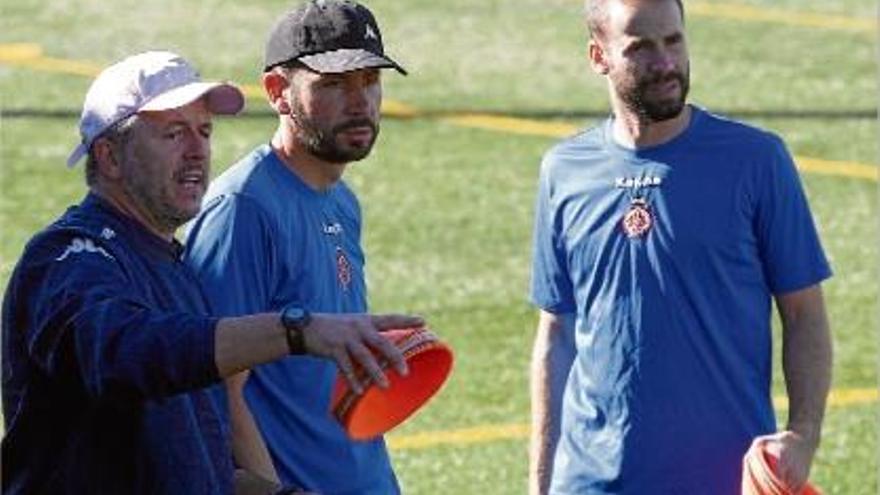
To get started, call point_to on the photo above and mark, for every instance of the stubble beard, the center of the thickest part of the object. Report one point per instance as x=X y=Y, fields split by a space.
x=148 y=193
x=321 y=142
x=655 y=110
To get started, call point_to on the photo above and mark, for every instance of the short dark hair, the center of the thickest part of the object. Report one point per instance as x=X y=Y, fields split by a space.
x=118 y=134
x=287 y=69
x=596 y=13
x=293 y=64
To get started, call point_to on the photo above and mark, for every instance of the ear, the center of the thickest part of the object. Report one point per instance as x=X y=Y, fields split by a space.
x=274 y=85
x=108 y=164
x=598 y=57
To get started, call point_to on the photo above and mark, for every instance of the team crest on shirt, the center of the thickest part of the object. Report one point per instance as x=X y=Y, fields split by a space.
x=343 y=269
x=637 y=220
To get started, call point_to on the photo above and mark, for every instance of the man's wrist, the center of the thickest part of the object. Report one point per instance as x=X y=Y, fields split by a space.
x=809 y=432
x=295 y=319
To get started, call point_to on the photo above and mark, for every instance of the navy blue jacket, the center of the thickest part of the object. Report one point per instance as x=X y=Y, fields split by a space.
x=106 y=349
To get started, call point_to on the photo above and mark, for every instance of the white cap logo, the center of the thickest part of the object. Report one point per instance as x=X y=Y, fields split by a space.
x=370 y=34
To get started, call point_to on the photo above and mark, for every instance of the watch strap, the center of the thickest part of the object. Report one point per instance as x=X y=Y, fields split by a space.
x=295 y=319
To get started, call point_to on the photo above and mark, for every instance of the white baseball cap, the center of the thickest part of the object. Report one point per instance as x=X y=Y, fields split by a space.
x=149 y=81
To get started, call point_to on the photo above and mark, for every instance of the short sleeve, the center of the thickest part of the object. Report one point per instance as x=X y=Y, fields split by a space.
x=231 y=248
x=791 y=252
x=551 y=287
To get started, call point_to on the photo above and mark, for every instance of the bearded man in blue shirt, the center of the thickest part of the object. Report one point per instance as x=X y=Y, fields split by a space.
x=287 y=227
x=661 y=237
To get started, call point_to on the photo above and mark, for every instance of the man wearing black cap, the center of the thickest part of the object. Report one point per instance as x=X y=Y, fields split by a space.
x=281 y=229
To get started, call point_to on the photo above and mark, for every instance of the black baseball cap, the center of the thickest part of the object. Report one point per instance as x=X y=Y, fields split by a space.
x=328 y=36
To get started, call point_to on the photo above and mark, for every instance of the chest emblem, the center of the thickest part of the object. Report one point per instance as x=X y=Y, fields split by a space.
x=343 y=269
x=637 y=220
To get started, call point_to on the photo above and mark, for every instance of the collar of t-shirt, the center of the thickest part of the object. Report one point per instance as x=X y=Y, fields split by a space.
x=617 y=149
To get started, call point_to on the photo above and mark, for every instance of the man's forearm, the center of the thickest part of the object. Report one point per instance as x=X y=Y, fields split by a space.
x=348 y=339
x=248 y=447
x=248 y=483
x=552 y=356
x=806 y=360
x=246 y=341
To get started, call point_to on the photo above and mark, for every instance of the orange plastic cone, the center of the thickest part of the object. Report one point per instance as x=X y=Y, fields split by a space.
x=378 y=410
x=760 y=476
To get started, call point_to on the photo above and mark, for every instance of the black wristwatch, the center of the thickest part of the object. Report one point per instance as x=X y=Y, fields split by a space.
x=295 y=319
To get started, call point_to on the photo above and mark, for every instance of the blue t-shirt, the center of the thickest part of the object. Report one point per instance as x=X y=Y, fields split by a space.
x=105 y=347
x=671 y=380
x=265 y=239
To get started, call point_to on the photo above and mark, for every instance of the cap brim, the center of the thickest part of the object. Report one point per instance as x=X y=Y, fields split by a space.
x=221 y=98
x=347 y=60
x=76 y=155
x=377 y=410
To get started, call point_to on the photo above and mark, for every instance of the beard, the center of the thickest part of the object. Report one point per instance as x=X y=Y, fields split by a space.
x=635 y=95
x=320 y=141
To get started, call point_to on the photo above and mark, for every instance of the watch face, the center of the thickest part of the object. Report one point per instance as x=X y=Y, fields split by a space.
x=294 y=316
x=294 y=313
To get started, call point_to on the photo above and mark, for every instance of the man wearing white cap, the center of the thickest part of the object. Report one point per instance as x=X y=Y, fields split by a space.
x=107 y=339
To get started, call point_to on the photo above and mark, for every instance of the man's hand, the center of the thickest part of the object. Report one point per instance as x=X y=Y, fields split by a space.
x=349 y=338
x=795 y=454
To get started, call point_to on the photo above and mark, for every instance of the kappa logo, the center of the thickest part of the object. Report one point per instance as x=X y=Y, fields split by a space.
x=638 y=182
x=369 y=34
x=83 y=245
x=334 y=228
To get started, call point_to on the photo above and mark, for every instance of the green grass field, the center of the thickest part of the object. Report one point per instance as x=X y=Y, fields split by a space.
x=449 y=208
